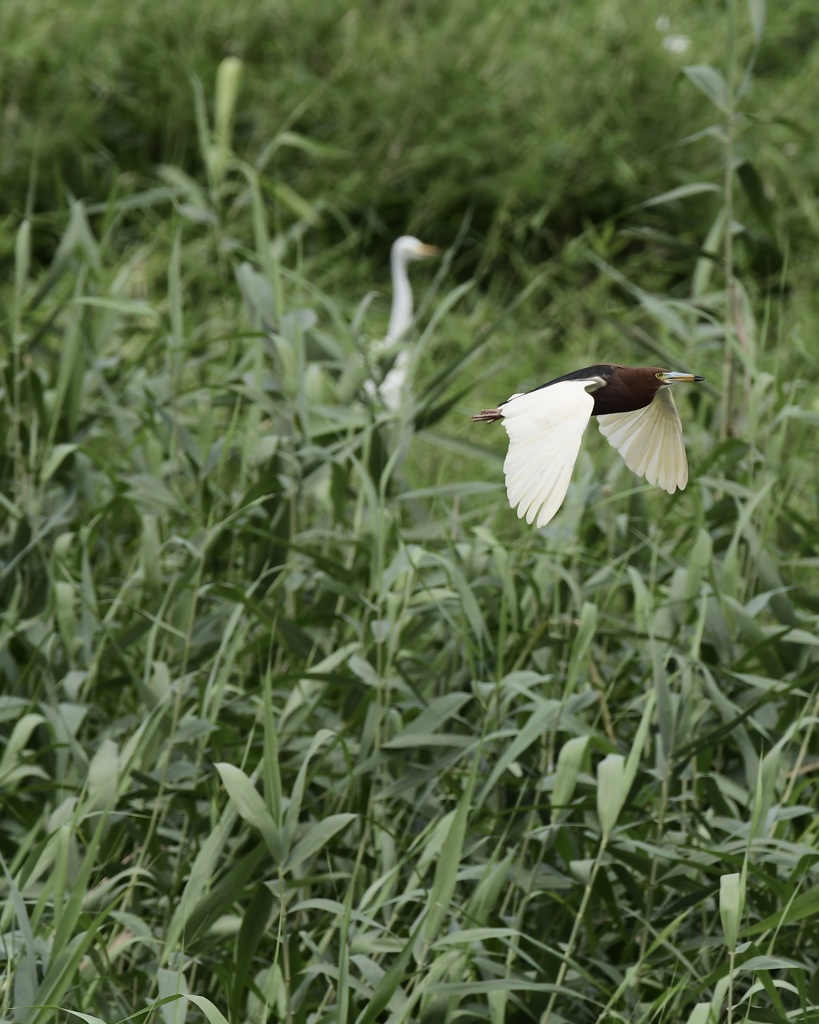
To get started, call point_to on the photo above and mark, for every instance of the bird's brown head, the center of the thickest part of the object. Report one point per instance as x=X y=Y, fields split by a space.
x=633 y=387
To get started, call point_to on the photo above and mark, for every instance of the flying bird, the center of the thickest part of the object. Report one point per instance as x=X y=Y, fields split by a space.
x=636 y=414
x=405 y=250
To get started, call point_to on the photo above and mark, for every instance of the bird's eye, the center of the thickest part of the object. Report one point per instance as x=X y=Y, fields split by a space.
x=659 y=376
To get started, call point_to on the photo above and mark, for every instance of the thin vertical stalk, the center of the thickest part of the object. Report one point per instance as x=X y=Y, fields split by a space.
x=571 y=945
x=652 y=880
x=736 y=335
x=22 y=264
x=729 y=357
x=729 y=1013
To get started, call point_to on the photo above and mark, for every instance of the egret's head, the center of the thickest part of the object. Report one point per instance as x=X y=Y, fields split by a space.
x=408 y=248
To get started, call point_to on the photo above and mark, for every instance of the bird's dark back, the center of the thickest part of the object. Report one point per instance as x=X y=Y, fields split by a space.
x=627 y=387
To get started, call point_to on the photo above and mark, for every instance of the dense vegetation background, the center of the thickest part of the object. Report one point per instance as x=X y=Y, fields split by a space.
x=298 y=721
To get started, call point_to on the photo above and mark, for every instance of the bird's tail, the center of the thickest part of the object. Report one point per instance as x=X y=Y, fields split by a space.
x=488 y=416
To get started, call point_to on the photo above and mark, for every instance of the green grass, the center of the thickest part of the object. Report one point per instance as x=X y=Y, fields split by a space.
x=298 y=721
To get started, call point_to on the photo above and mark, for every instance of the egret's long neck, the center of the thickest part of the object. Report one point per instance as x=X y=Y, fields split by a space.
x=401 y=313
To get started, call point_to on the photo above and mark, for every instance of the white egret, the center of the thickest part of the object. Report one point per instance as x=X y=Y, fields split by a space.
x=405 y=250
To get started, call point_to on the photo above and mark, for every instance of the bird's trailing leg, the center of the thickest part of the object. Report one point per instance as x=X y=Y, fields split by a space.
x=488 y=416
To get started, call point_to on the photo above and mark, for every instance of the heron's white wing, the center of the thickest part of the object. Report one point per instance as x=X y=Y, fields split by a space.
x=545 y=428
x=651 y=441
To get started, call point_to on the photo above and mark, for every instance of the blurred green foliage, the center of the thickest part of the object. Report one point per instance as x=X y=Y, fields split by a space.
x=536 y=121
